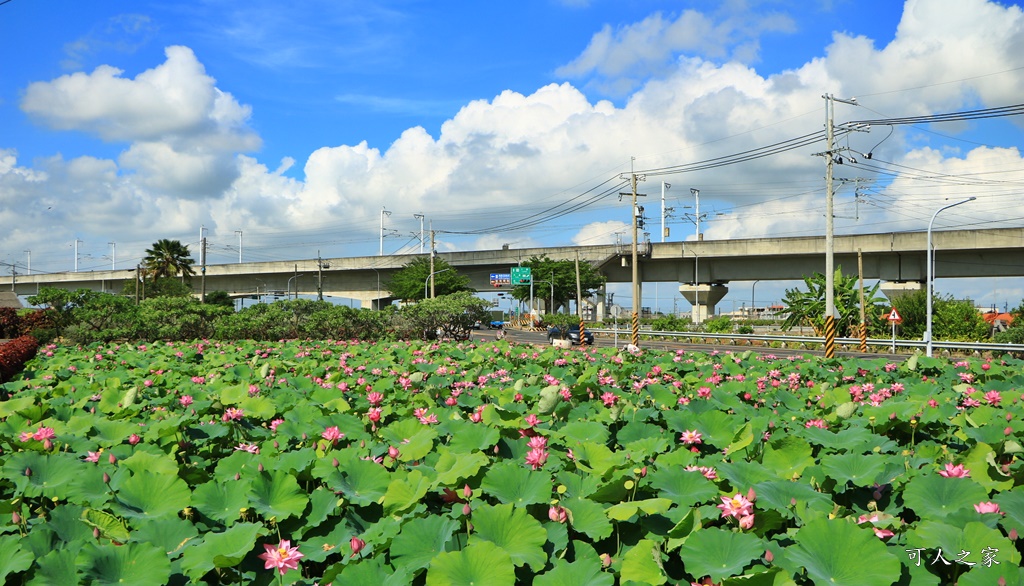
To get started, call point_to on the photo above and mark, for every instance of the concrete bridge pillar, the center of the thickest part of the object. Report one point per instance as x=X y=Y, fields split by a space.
x=894 y=289
x=703 y=298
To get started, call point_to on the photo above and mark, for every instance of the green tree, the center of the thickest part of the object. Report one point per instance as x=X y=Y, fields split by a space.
x=563 y=274
x=952 y=319
x=449 y=317
x=178 y=318
x=408 y=283
x=168 y=258
x=221 y=298
x=808 y=307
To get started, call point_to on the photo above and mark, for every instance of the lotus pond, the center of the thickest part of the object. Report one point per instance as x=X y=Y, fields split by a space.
x=493 y=464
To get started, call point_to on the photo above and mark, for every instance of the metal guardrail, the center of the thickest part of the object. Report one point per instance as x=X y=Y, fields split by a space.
x=887 y=343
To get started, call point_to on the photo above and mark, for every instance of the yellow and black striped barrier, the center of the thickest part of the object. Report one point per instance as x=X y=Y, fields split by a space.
x=830 y=336
x=635 y=338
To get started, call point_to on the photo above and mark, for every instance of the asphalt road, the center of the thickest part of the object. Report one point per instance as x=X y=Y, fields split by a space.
x=540 y=337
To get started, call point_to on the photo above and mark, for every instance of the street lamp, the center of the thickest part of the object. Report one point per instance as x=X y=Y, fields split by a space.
x=427 y=280
x=928 y=259
x=550 y=309
x=290 y=279
x=752 y=297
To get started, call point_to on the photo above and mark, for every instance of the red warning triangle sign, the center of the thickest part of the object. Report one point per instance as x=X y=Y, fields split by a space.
x=895 y=317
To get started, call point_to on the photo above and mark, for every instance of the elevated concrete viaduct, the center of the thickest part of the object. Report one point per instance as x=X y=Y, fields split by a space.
x=701 y=268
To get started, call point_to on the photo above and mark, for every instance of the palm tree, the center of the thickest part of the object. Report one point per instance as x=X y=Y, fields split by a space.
x=808 y=307
x=168 y=258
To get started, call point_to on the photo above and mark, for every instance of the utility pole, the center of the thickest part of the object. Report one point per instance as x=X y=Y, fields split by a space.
x=29 y=252
x=77 y=242
x=113 y=255
x=202 y=294
x=432 y=254
x=420 y=218
x=635 y=338
x=138 y=279
x=664 y=229
x=830 y=277
x=320 y=266
x=239 y=232
x=579 y=298
x=863 y=310
x=383 y=212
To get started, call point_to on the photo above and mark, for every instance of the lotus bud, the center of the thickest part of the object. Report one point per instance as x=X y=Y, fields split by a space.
x=304 y=436
x=746 y=521
x=606 y=560
x=28 y=472
x=111 y=458
x=467 y=492
x=1012 y=535
x=16 y=518
x=260 y=467
x=751 y=494
x=96 y=532
x=106 y=478
x=357 y=545
x=466 y=510
x=393 y=452
x=769 y=556
x=238 y=476
x=362 y=443
x=276 y=445
x=48 y=444
x=1007 y=431
x=335 y=462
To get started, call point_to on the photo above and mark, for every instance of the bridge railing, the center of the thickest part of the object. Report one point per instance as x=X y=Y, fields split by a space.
x=795 y=341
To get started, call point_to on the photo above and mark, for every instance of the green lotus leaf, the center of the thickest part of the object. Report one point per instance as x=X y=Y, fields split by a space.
x=719 y=553
x=59 y=566
x=46 y=475
x=109 y=526
x=1012 y=505
x=597 y=459
x=420 y=541
x=151 y=496
x=588 y=518
x=322 y=503
x=171 y=535
x=586 y=570
x=139 y=564
x=973 y=537
x=934 y=497
x=772 y=577
x=860 y=470
x=368 y=571
x=642 y=564
x=787 y=456
x=981 y=462
x=13 y=558
x=743 y=438
x=221 y=550
x=835 y=551
x=624 y=511
x=452 y=468
x=514 y=531
x=360 y=481
x=682 y=487
x=469 y=437
x=742 y=474
x=980 y=575
x=580 y=432
x=146 y=462
x=511 y=483
x=222 y=501
x=66 y=521
x=780 y=496
x=403 y=493
x=14 y=405
x=278 y=495
x=481 y=562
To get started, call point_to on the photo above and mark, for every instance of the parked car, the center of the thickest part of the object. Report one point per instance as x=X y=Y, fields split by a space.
x=496 y=324
x=573 y=335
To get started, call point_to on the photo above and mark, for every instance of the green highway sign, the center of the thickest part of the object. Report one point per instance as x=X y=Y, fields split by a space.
x=521 y=276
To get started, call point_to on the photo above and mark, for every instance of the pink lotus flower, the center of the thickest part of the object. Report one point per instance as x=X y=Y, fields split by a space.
x=332 y=434
x=747 y=522
x=93 y=457
x=134 y=439
x=393 y=452
x=609 y=399
x=251 y=448
x=373 y=414
x=44 y=433
x=232 y=414
x=737 y=506
x=691 y=437
x=993 y=398
x=532 y=420
x=275 y=423
x=819 y=423
x=284 y=557
x=988 y=507
x=357 y=545
x=537 y=442
x=185 y=400
x=957 y=471
x=375 y=398
x=25 y=436
x=558 y=514
x=536 y=458
x=882 y=533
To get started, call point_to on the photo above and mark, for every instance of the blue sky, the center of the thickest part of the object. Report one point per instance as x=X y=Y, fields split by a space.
x=297 y=123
